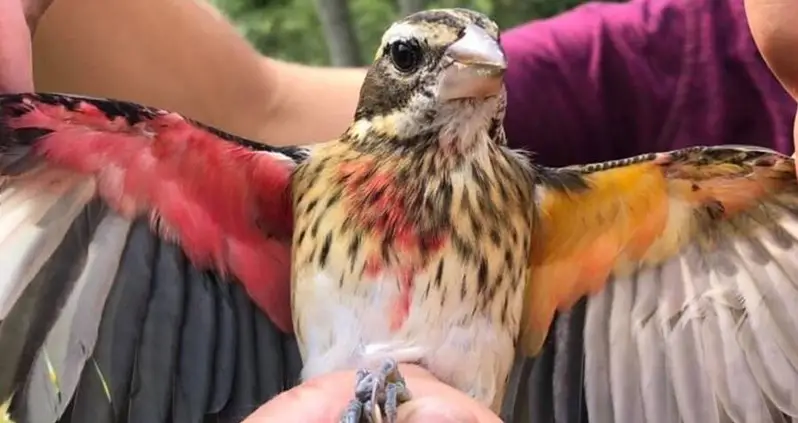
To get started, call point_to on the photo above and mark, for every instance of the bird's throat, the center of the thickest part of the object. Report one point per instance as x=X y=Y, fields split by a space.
x=385 y=205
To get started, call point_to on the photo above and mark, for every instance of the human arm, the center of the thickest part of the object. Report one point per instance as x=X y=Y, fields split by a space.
x=141 y=56
x=147 y=51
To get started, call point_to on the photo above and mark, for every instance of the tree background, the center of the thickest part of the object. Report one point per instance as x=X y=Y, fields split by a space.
x=347 y=32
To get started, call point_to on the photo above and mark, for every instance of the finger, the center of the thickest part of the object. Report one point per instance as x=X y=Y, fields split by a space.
x=16 y=68
x=439 y=410
x=315 y=401
x=772 y=24
x=440 y=403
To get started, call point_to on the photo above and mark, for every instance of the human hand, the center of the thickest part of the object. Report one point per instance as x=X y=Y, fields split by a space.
x=18 y=19
x=321 y=400
x=772 y=24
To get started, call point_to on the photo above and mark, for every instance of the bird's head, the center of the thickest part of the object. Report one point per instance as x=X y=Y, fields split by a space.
x=437 y=79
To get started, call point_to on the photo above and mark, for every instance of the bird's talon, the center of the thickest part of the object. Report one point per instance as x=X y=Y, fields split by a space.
x=353 y=412
x=378 y=394
x=391 y=403
x=364 y=387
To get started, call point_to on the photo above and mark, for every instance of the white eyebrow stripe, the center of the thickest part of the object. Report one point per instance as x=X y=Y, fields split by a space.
x=401 y=31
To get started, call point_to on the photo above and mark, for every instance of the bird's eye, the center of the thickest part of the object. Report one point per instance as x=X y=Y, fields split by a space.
x=405 y=55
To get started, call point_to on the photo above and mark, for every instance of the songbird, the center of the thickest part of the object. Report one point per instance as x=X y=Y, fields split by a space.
x=416 y=237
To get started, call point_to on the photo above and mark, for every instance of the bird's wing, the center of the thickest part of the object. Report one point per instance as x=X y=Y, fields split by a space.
x=689 y=260
x=119 y=226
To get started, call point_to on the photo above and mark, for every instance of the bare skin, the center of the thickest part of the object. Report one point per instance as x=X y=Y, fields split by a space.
x=18 y=20
x=772 y=24
x=149 y=51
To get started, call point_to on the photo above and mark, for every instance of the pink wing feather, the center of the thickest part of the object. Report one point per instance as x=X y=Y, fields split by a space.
x=225 y=200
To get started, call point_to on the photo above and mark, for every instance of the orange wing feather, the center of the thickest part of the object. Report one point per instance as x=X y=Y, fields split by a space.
x=637 y=212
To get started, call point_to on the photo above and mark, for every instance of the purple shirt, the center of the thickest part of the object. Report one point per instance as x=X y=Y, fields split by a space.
x=609 y=80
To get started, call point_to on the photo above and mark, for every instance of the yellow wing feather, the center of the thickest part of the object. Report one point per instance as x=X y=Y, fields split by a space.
x=636 y=215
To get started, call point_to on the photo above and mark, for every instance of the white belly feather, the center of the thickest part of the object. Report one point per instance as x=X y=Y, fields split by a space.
x=340 y=330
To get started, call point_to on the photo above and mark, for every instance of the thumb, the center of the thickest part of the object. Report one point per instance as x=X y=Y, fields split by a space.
x=772 y=24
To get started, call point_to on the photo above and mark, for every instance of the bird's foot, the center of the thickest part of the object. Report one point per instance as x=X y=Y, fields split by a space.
x=378 y=395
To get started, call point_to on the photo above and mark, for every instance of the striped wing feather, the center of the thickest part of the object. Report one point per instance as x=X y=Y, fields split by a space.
x=689 y=260
x=119 y=228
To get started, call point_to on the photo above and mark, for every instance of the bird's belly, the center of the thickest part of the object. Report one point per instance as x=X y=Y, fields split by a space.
x=353 y=325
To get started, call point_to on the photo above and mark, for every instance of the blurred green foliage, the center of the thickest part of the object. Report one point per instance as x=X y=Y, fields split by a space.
x=290 y=29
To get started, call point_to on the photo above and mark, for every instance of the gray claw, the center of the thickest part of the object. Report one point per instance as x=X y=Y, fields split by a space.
x=363 y=386
x=382 y=391
x=353 y=412
x=391 y=403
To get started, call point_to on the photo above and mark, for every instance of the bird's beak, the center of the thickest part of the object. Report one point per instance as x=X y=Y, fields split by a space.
x=478 y=64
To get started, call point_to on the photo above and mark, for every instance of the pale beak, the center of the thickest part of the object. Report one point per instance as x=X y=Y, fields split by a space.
x=477 y=68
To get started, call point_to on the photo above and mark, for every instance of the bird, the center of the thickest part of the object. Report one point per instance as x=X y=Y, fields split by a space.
x=416 y=237
x=405 y=228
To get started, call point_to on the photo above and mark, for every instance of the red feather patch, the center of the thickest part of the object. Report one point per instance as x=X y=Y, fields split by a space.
x=378 y=202
x=228 y=205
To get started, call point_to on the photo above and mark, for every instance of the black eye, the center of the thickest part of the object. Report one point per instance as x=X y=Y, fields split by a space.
x=405 y=55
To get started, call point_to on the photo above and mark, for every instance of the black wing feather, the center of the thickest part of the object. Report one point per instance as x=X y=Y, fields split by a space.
x=549 y=387
x=225 y=353
x=176 y=345
x=193 y=385
x=156 y=362
x=245 y=385
x=270 y=370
